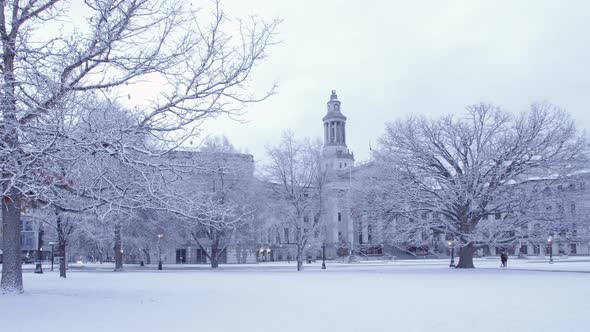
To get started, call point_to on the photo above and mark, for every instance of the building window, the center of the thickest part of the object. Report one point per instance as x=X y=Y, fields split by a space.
x=340 y=164
x=484 y=217
x=339 y=236
x=536 y=249
x=28 y=226
x=201 y=257
x=286 y=234
x=181 y=256
x=498 y=216
x=573 y=250
x=524 y=249
x=360 y=237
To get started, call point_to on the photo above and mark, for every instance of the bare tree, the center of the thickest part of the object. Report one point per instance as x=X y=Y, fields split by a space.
x=219 y=197
x=296 y=178
x=204 y=64
x=443 y=176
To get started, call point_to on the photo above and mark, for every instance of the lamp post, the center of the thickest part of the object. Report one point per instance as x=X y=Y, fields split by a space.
x=323 y=256
x=38 y=265
x=550 y=245
x=450 y=243
x=160 y=251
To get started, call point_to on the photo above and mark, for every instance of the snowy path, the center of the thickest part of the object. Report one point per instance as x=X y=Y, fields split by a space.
x=272 y=298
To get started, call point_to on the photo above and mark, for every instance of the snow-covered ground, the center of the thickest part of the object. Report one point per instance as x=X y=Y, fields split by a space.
x=376 y=296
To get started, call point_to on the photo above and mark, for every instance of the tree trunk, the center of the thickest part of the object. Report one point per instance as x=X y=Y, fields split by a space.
x=61 y=245
x=12 y=273
x=215 y=254
x=62 y=261
x=148 y=258
x=214 y=261
x=12 y=277
x=118 y=248
x=466 y=257
x=299 y=258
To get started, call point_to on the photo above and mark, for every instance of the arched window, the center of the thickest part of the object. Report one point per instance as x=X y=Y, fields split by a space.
x=332 y=133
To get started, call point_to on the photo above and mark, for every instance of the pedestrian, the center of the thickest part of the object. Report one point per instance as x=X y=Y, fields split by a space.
x=504 y=259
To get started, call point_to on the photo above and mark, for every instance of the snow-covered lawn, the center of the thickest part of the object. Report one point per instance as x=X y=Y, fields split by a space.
x=400 y=296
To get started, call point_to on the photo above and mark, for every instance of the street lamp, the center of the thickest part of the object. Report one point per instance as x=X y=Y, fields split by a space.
x=160 y=251
x=549 y=242
x=323 y=256
x=450 y=244
x=38 y=265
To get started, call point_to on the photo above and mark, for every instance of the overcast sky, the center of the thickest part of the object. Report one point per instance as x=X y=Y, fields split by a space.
x=387 y=59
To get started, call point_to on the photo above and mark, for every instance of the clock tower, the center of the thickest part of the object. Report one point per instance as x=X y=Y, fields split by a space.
x=335 y=154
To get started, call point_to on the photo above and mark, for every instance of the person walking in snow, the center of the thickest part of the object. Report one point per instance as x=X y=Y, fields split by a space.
x=504 y=259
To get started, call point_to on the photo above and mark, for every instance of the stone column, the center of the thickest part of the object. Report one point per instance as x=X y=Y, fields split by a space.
x=332 y=220
x=350 y=225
